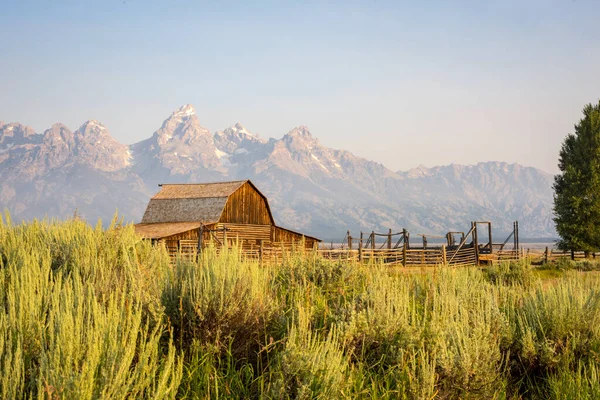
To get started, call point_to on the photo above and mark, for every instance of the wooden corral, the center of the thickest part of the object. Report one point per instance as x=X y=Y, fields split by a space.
x=189 y=217
x=396 y=248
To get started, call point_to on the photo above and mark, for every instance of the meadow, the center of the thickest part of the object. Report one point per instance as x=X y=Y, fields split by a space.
x=88 y=312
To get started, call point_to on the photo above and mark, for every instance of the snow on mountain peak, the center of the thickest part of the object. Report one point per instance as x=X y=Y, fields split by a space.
x=241 y=132
x=184 y=111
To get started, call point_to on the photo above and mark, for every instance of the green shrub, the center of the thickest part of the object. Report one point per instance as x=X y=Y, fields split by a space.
x=220 y=300
x=581 y=384
x=309 y=365
x=62 y=333
x=509 y=273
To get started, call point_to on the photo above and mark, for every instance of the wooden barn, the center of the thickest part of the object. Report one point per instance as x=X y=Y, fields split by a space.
x=189 y=216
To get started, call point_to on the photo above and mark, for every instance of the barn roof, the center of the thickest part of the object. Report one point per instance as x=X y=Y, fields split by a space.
x=164 y=229
x=198 y=190
x=206 y=210
x=298 y=233
x=193 y=202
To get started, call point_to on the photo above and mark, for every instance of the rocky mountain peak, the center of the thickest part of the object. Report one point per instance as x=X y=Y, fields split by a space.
x=237 y=140
x=300 y=131
x=15 y=133
x=182 y=146
x=97 y=148
x=59 y=135
x=184 y=111
x=93 y=132
x=240 y=132
x=91 y=125
x=300 y=140
x=419 y=171
x=239 y=128
x=182 y=126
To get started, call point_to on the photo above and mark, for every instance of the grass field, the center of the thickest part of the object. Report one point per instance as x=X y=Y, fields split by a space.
x=98 y=313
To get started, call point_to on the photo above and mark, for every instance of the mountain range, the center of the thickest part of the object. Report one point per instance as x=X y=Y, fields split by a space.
x=311 y=188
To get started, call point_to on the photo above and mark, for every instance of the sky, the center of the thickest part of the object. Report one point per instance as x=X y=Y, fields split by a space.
x=402 y=83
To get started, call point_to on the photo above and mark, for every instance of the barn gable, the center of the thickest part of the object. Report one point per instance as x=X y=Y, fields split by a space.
x=247 y=205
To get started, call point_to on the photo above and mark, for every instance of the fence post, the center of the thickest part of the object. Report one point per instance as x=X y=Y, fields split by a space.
x=260 y=252
x=546 y=256
x=360 y=246
x=444 y=254
x=349 y=245
x=373 y=240
x=476 y=242
x=200 y=237
x=490 y=237
x=372 y=245
x=390 y=239
x=404 y=246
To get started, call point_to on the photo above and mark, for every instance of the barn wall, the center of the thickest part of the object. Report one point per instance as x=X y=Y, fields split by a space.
x=247 y=236
x=280 y=235
x=172 y=242
x=246 y=206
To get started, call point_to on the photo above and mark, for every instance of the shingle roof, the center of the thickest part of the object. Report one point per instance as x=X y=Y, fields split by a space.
x=202 y=202
x=206 y=210
x=198 y=190
x=161 y=230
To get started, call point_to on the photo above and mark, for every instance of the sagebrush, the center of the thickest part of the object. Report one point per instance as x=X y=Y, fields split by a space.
x=99 y=313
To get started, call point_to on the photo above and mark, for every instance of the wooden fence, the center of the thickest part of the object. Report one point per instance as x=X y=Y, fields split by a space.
x=270 y=253
x=409 y=257
x=550 y=255
x=404 y=257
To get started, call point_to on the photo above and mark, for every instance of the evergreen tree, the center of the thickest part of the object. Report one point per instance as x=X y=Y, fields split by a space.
x=577 y=187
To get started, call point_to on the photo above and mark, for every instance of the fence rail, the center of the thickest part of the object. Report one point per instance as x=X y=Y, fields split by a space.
x=556 y=255
x=409 y=257
x=405 y=257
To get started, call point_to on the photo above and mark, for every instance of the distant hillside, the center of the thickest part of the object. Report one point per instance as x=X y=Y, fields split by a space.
x=311 y=187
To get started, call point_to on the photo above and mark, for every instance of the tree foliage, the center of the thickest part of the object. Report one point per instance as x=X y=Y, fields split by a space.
x=577 y=186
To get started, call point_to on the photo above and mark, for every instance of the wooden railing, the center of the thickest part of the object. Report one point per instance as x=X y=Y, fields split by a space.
x=405 y=257
x=278 y=252
x=550 y=255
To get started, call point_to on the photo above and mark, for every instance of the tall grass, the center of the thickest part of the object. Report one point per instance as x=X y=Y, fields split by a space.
x=87 y=312
x=75 y=321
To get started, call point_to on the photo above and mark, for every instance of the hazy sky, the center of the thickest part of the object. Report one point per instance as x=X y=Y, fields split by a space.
x=402 y=83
